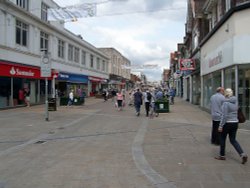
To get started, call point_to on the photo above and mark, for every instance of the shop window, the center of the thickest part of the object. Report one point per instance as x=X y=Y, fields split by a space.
x=5 y=92
x=244 y=89
x=210 y=83
x=229 y=79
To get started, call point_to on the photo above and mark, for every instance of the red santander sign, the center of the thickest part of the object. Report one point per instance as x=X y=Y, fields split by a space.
x=20 y=71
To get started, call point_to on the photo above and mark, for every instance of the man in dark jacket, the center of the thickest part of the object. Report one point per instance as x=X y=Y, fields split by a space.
x=138 y=101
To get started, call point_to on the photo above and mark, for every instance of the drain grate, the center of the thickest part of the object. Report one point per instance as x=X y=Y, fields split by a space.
x=39 y=142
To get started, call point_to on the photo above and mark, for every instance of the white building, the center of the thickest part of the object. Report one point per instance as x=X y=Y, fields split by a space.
x=25 y=34
x=119 y=69
x=225 y=57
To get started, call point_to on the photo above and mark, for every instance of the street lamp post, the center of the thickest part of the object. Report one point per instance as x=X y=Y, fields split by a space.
x=46 y=72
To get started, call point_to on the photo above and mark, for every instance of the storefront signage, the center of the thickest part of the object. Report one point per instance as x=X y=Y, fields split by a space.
x=95 y=79
x=74 y=78
x=187 y=64
x=63 y=76
x=216 y=60
x=21 y=71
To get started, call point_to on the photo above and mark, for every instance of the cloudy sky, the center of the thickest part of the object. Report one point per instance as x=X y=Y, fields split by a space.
x=144 y=31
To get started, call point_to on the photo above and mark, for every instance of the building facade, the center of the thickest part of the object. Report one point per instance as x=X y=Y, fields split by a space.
x=25 y=35
x=119 y=69
x=217 y=38
x=225 y=58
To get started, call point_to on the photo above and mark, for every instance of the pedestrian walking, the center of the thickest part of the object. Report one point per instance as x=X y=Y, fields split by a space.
x=120 y=100
x=152 y=110
x=172 y=95
x=113 y=93
x=71 y=98
x=105 y=94
x=147 y=101
x=138 y=101
x=27 y=96
x=229 y=126
x=216 y=102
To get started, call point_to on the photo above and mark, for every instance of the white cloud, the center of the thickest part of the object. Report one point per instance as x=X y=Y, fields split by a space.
x=144 y=31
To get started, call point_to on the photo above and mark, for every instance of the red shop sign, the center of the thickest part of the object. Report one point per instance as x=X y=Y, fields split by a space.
x=95 y=79
x=20 y=71
x=187 y=64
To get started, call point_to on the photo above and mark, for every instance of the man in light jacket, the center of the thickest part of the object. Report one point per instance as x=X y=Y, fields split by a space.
x=216 y=102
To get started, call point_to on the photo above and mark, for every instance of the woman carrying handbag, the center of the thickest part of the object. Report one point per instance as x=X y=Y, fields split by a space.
x=229 y=126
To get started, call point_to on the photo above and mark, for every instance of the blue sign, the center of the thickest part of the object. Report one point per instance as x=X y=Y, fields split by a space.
x=74 y=78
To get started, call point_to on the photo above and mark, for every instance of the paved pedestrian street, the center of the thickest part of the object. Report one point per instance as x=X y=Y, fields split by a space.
x=97 y=146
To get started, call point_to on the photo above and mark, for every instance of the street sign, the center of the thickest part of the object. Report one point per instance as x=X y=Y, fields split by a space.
x=45 y=65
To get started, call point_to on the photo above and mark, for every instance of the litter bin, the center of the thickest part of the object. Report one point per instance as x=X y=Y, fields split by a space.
x=52 y=104
x=162 y=106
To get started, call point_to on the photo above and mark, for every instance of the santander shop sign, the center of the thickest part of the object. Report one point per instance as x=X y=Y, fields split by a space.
x=18 y=72
x=21 y=71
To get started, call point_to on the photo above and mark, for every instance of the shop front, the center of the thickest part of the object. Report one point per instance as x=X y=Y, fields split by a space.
x=117 y=82
x=97 y=84
x=65 y=82
x=15 y=78
x=222 y=67
x=225 y=59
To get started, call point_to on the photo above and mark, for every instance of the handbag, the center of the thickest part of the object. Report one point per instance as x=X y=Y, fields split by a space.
x=241 y=116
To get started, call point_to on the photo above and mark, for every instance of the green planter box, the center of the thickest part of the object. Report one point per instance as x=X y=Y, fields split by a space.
x=162 y=106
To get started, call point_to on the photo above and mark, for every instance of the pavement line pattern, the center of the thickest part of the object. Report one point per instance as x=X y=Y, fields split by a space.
x=142 y=164
x=32 y=141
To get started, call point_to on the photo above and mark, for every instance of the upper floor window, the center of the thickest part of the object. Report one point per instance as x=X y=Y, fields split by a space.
x=98 y=66
x=70 y=52
x=91 y=61
x=44 y=12
x=103 y=65
x=21 y=33
x=83 y=58
x=61 y=47
x=44 y=42
x=23 y=4
x=76 y=55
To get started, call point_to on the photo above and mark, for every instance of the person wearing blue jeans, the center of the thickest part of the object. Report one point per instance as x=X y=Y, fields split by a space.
x=231 y=130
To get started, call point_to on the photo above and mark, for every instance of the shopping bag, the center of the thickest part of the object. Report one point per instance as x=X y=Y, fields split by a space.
x=241 y=116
